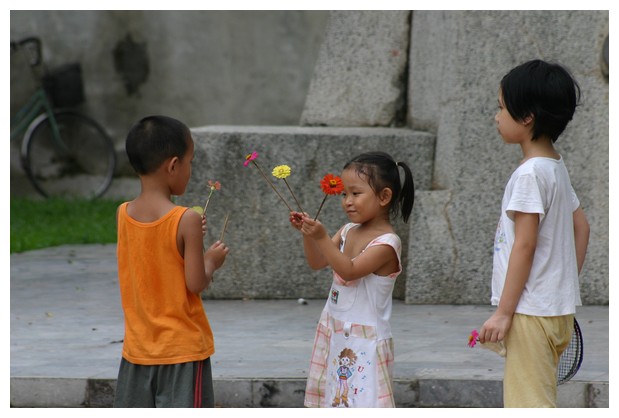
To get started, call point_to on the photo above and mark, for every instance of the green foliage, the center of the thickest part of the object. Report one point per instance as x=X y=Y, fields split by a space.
x=46 y=223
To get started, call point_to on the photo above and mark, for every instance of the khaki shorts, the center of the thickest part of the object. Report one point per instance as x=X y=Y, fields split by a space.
x=534 y=345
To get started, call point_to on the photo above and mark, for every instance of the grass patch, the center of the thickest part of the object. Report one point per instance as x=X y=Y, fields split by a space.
x=47 y=223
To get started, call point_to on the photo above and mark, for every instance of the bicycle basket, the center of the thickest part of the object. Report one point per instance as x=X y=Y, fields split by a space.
x=64 y=85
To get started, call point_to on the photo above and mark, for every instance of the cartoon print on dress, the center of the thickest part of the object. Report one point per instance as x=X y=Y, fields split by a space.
x=334 y=296
x=350 y=376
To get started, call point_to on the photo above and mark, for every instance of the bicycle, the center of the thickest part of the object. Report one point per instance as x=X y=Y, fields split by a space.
x=63 y=152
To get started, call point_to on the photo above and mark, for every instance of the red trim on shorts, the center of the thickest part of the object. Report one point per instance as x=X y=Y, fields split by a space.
x=197 y=394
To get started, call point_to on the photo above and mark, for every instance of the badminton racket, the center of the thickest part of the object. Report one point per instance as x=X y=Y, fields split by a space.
x=571 y=358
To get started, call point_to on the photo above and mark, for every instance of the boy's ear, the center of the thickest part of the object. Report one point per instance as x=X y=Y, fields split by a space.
x=171 y=165
x=527 y=120
x=385 y=196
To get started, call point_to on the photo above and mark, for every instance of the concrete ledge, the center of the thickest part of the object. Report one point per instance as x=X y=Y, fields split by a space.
x=289 y=393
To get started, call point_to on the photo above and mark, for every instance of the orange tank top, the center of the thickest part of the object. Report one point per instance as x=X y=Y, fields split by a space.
x=165 y=323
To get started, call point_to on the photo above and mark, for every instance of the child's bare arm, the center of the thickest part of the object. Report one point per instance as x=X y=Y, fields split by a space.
x=214 y=258
x=581 y=236
x=367 y=262
x=199 y=265
x=518 y=270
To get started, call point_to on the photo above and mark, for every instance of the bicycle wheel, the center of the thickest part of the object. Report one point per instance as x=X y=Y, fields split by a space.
x=80 y=163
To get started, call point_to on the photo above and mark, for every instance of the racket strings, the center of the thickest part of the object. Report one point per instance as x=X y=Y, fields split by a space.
x=571 y=358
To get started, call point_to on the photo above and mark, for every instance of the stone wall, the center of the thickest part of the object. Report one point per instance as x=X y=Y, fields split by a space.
x=457 y=60
x=360 y=75
x=427 y=81
x=203 y=67
x=266 y=258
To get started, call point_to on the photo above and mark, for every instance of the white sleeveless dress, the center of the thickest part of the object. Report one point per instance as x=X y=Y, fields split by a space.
x=352 y=358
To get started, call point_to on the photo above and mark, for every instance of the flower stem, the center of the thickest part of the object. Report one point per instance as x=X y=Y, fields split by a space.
x=223 y=231
x=272 y=186
x=208 y=199
x=293 y=196
x=320 y=208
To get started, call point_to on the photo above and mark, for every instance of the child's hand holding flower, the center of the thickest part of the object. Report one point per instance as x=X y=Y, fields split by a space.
x=296 y=220
x=313 y=228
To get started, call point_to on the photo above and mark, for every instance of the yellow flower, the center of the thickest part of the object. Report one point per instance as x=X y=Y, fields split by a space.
x=281 y=171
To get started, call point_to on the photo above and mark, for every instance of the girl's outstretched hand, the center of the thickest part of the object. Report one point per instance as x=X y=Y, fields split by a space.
x=203 y=225
x=313 y=228
x=296 y=220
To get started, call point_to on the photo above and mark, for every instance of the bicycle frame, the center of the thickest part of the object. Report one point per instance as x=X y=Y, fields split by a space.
x=37 y=103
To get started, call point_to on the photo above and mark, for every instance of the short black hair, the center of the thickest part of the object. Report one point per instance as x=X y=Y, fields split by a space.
x=154 y=139
x=546 y=91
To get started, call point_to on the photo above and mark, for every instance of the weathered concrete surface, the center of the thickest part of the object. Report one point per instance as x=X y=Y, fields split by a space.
x=360 y=75
x=457 y=60
x=204 y=67
x=66 y=327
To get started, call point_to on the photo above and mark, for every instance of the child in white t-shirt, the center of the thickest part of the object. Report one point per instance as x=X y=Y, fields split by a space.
x=541 y=238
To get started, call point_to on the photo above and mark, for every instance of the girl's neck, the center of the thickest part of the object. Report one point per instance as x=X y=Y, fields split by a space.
x=541 y=147
x=378 y=223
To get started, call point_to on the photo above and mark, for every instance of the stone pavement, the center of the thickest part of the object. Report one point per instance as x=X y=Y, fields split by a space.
x=67 y=327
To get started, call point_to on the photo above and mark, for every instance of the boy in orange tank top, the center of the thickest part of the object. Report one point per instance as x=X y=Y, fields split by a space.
x=162 y=269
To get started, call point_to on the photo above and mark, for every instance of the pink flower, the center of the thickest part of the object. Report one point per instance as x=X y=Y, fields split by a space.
x=250 y=157
x=214 y=185
x=473 y=338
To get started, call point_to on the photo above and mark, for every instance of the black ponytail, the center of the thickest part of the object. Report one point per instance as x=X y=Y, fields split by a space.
x=407 y=196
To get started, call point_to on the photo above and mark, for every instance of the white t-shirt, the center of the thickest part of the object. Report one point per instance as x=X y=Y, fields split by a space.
x=541 y=185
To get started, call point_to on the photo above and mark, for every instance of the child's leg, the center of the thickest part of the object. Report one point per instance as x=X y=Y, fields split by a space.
x=133 y=387
x=183 y=385
x=533 y=346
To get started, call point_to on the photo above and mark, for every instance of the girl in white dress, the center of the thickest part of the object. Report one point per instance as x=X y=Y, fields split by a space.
x=352 y=358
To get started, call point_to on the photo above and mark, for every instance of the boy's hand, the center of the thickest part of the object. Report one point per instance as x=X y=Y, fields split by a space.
x=495 y=328
x=203 y=225
x=296 y=220
x=313 y=229
x=215 y=256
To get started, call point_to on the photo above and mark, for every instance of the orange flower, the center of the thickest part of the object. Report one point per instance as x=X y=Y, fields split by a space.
x=331 y=184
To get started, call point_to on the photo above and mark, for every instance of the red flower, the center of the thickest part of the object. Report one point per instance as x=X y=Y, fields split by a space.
x=331 y=184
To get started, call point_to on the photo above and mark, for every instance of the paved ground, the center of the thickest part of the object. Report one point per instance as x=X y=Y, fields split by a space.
x=67 y=326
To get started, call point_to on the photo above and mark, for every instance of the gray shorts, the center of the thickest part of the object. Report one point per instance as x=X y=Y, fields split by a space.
x=184 y=385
